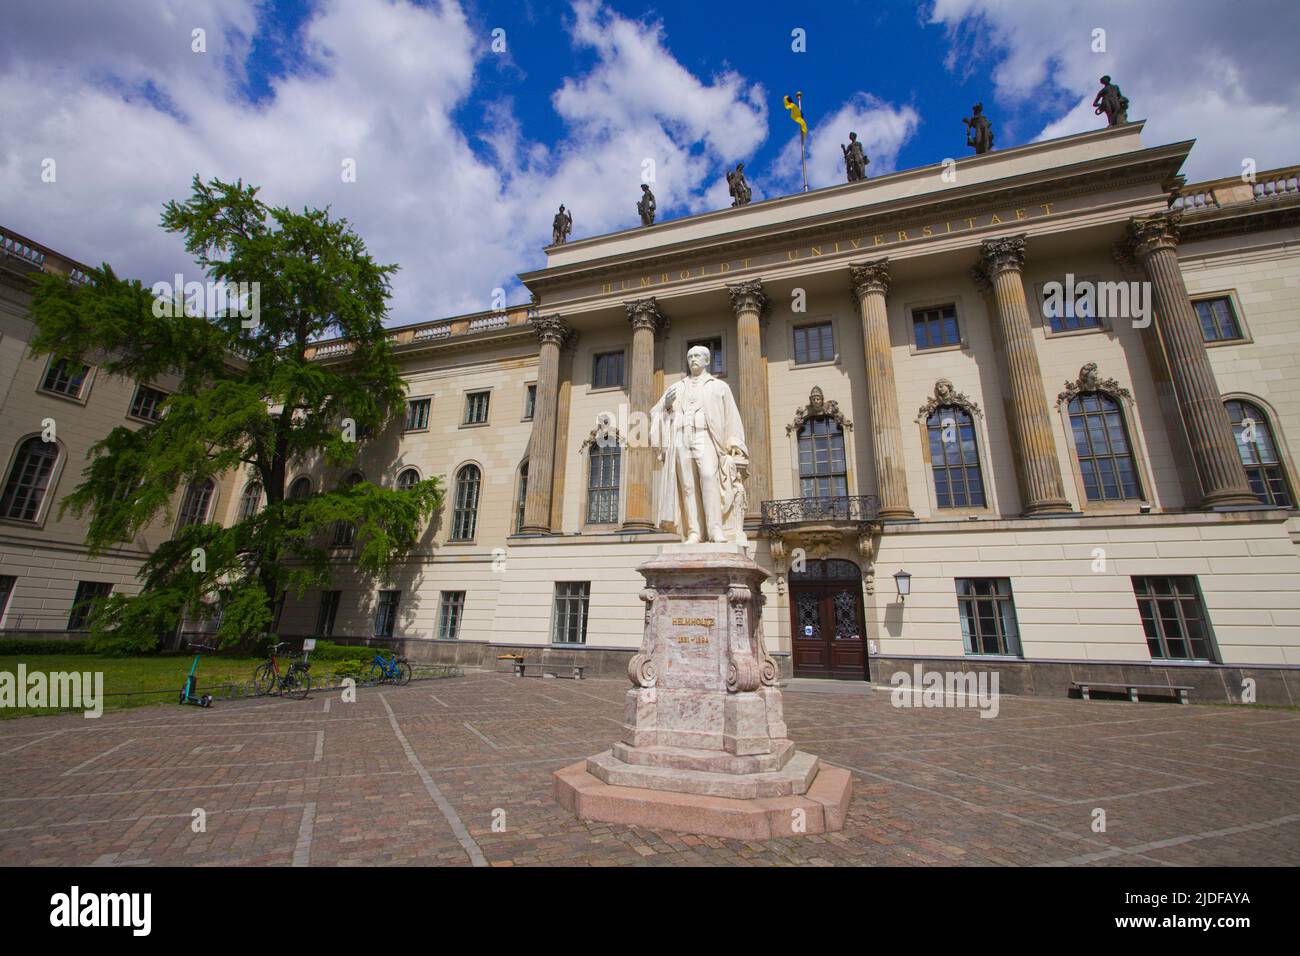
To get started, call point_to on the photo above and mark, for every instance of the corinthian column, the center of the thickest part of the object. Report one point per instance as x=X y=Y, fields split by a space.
x=1153 y=242
x=748 y=302
x=999 y=273
x=870 y=286
x=646 y=321
x=551 y=333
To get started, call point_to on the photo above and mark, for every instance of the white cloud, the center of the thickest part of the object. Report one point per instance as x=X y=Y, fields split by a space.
x=1195 y=69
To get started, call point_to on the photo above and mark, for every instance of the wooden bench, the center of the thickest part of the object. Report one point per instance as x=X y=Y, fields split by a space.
x=1087 y=686
x=546 y=667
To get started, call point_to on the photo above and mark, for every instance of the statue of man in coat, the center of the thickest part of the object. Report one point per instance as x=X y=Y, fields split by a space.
x=700 y=442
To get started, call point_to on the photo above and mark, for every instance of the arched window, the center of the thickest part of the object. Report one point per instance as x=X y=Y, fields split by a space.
x=523 y=497
x=345 y=532
x=464 y=519
x=603 y=462
x=955 y=459
x=823 y=471
x=198 y=498
x=407 y=479
x=1102 y=445
x=250 y=500
x=300 y=489
x=29 y=479
x=1258 y=453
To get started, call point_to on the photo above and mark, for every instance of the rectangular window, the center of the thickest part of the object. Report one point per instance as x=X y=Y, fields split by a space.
x=530 y=401
x=147 y=403
x=814 y=343
x=329 y=610
x=386 y=613
x=1174 y=618
x=602 y=484
x=450 y=611
x=607 y=370
x=569 y=625
x=417 y=415
x=7 y=582
x=89 y=596
x=714 y=345
x=1218 y=320
x=936 y=328
x=65 y=378
x=988 y=616
x=476 y=407
x=1072 y=316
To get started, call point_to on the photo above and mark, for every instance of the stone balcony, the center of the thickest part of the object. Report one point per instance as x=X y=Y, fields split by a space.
x=818 y=526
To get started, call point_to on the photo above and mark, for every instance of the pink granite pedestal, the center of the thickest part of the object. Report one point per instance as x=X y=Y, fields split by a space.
x=704 y=747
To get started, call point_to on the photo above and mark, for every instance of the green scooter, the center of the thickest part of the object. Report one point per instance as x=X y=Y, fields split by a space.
x=189 y=693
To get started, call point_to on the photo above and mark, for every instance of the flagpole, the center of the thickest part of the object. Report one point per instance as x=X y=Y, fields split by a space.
x=803 y=153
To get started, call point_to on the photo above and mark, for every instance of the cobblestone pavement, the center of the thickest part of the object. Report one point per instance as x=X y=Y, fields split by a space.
x=419 y=774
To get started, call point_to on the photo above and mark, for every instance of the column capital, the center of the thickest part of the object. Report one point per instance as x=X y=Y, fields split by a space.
x=1149 y=234
x=645 y=314
x=1002 y=254
x=869 y=277
x=550 y=329
x=748 y=296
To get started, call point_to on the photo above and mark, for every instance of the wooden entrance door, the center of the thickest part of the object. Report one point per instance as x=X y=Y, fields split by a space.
x=827 y=621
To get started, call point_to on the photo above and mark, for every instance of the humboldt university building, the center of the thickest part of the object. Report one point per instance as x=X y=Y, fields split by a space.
x=1030 y=412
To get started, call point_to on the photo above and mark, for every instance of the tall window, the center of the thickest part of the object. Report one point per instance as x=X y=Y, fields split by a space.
x=65 y=378
x=1218 y=320
x=29 y=479
x=607 y=370
x=90 y=594
x=198 y=498
x=988 y=616
x=935 y=328
x=417 y=415
x=1102 y=445
x=569 y=622
x=250 y=500
x=523 y=498
x=300 y=489
x=407 y=479
x=1173 y=618
x=530 y=400
x=386 y=613
x=1258 y=453
x=1070 y=316
x=476 y=407
x=602 y=483
x=814 y=343
x=714 y=345
x=328 y=613
x=345 y=532
x=450 y=611
x=823 y=471
x=147 y=403
x=954 y=459
x=7 y=582
x=464 y=518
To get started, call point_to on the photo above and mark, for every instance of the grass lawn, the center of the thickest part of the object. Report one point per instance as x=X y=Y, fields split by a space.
x=126 y=677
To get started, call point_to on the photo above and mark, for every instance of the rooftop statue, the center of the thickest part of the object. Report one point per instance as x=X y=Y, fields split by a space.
x=738 y=187
x=979 y=131
x=561 y=226
x=1112 y=102
x=855 y=159
x=646 y=206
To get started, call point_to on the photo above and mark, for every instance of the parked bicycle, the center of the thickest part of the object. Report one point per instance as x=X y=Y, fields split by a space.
x=294 y=682
x=396 y=670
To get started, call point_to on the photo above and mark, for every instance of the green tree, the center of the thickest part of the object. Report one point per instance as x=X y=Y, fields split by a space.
x=249 y=399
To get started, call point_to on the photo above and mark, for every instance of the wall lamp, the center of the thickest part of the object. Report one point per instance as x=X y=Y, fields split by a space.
x=903 y=581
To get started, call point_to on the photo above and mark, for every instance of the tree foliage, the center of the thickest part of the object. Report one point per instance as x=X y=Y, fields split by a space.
x=247 y=399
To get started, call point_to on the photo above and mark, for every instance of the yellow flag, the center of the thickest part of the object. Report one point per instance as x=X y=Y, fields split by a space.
x=797 y=115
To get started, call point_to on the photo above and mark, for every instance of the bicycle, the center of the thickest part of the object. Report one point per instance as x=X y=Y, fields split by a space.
x=396 y=670
x=295 y=682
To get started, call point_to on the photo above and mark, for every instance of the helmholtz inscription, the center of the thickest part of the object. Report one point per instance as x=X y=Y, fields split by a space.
x=694 y=638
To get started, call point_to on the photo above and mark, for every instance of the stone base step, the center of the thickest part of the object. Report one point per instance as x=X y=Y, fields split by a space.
x=791 y=780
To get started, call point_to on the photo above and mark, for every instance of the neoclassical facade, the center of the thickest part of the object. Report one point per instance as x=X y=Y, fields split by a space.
x=1029 y=412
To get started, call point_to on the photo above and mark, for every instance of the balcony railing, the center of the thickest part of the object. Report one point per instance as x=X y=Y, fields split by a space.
x=858 y=509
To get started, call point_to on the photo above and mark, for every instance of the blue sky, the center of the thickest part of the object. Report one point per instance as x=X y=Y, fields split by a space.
x=462 y=153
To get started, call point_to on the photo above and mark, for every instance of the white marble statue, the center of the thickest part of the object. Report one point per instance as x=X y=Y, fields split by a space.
x=700 y=442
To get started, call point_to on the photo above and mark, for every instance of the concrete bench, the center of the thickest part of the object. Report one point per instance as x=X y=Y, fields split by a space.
x=1087 y=686
x=546 y=668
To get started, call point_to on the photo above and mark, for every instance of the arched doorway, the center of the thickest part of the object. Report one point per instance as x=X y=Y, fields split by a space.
x=827 y=621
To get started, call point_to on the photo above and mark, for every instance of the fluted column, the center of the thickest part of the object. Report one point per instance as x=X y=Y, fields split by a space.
x=870 y=287
x=643 y=314
x=748 y=302
x=999 y=273
x=1153 y=242
x=551 y=332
